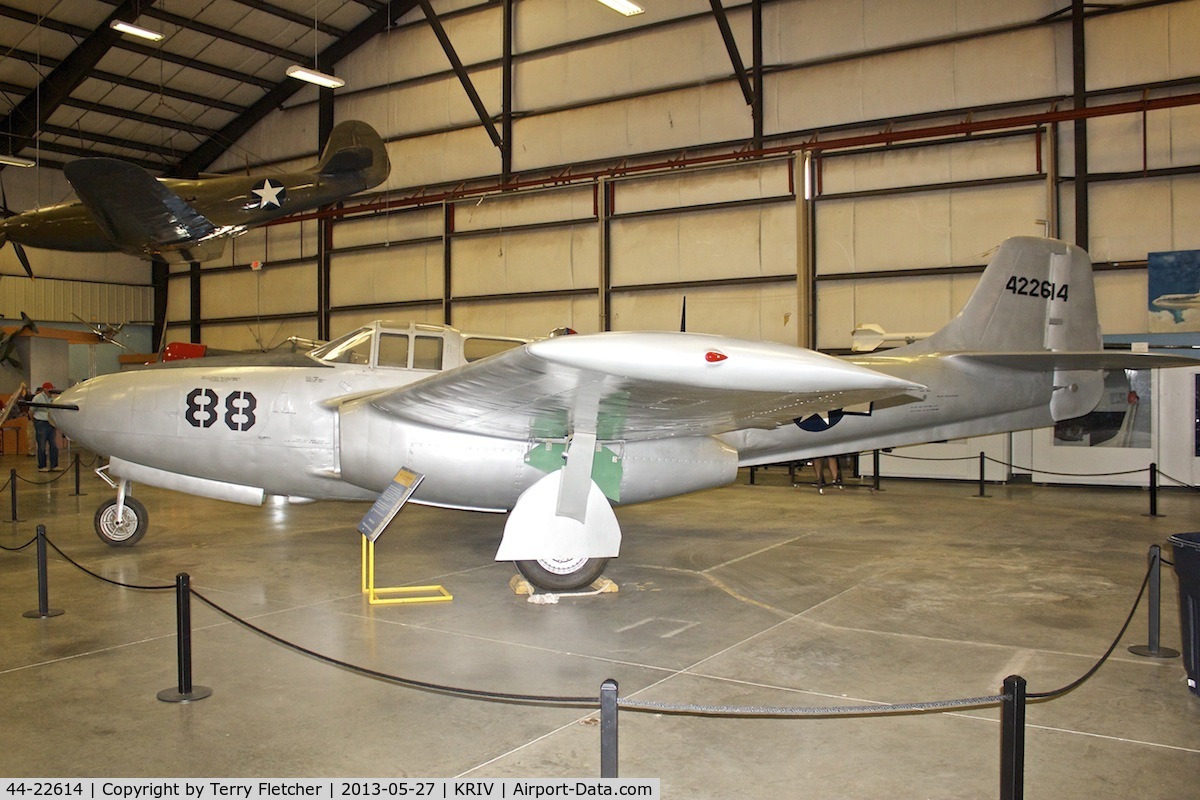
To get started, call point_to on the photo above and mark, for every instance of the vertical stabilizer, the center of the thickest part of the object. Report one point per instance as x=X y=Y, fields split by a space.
x=1036 y=294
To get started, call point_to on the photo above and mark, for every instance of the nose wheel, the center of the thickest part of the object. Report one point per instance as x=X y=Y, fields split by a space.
x=119 y=526
x=122 y=521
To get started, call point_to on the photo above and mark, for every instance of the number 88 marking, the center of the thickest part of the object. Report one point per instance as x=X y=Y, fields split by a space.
x=239 y=409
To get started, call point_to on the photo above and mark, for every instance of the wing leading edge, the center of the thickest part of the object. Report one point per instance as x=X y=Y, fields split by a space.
x=637 y=386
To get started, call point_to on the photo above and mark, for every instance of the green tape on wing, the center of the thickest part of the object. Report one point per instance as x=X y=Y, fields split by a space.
x=606 y=467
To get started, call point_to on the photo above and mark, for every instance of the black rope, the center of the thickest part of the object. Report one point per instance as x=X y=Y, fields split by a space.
x=476 y=694
x=62 y=473
x=929 y=458
x=1067 y=474
x=1075 y=684
x=883 y=709
x=18 y=549
x=99 y=577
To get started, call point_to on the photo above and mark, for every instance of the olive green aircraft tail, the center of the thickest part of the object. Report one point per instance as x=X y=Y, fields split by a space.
x=355 y=147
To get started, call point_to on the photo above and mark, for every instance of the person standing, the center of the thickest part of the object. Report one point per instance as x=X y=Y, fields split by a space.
x=44 y=433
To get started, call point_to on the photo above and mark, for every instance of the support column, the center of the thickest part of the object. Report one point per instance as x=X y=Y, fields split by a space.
x=1079 y=80
x=806 y=318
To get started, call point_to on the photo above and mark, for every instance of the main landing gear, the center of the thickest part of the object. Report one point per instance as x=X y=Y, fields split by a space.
x=123 y=520
x=562 y=575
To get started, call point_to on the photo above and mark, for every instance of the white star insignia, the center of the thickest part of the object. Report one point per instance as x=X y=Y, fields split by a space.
x=269 y=194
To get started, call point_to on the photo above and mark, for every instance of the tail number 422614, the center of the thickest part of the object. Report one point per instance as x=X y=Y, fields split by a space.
x=1033 y=287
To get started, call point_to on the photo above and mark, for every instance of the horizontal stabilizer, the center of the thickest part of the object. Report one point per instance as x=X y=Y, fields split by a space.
x=135 y=212
x=1044 y=361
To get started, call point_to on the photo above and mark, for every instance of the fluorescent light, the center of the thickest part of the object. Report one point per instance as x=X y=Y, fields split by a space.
x=315 y=76
x=16 y=161
x=624 y=7
x=134 y=30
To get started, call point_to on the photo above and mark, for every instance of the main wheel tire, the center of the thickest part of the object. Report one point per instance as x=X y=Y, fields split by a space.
x=135 y=521
x=562 y=575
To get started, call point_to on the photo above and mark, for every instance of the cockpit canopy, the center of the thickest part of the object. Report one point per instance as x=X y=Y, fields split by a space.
x=411 y=345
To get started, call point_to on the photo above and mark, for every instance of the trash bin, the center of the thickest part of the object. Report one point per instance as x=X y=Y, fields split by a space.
x=1186 y=549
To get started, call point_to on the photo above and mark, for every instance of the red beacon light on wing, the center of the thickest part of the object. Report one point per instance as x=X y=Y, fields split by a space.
x=715 y=356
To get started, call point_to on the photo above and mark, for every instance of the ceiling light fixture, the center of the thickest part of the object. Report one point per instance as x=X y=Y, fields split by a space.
x=16 y=161
x=315 y=76
x=135 y=30
x=624 y=7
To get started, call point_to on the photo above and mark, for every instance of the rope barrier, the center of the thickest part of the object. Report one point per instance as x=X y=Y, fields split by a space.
x=811 y=711
x=476 y=694
x=18 y=549
x=632 y=704
x=100 y=577
x=1020 y=468
x=1075 y=684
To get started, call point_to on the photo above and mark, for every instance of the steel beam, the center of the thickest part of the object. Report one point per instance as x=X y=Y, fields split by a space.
x=456 y=63
x=739 y=69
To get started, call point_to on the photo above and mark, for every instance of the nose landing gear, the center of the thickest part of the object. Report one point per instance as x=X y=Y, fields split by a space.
x=122 y=521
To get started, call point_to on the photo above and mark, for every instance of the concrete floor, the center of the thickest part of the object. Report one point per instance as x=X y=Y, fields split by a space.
x=748 y=595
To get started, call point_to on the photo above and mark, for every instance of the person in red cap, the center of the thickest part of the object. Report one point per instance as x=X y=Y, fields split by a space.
x=47 y=446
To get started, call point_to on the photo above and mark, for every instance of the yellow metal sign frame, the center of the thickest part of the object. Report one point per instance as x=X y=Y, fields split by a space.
x=395 y=595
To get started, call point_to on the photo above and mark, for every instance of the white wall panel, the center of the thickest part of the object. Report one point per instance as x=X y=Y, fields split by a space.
x=342 y=322
x=392 y=275
x=271 y=244
x=699 y=187
x=278 y=290
x=608 y=68
x=925 y=229
x=704 y=245
x=766 y=312
x=532 y=317
x=426 y=105
x=1185 y=200
x=978 y=159
x=525 y=208
x=1121 y=301
x=442 y=158
x=416 y=223
x=670 y=121
x=412 y=50
x=1130 y=219
x=900 y=305
x=179 y=300
x=914 y=81
x=1112 y=62
x=50 y=300
x=254 y=336
x=526 y=261
x=545 y=23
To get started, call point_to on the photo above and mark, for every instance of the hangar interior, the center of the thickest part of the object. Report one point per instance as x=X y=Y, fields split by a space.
x=784 y=170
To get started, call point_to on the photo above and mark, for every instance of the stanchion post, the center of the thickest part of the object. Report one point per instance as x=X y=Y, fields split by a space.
x=184 y=691
x=875 y=467
x=1152 y=649
x=77 y=492
x=982 y=466
x=1012 y=739
x=608 y=729
x=1153 y=489
x=43 y=610
x=12 y=483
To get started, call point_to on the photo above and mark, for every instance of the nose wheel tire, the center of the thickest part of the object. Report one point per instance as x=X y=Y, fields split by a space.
x=562 y=575
x=135 y=520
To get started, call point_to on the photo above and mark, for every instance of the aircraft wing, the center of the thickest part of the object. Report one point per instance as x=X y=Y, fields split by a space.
x=136 y=212
x=637 y=386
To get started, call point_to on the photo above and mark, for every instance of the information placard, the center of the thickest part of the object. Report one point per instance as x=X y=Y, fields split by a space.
x=389 y=503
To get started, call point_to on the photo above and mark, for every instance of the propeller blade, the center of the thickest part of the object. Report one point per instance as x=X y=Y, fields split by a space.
x=24 y=259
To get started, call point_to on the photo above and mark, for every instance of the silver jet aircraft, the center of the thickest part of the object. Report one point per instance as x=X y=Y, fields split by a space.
x=557 y=431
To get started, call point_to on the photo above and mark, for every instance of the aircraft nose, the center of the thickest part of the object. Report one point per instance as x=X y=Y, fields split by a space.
x=66 y=418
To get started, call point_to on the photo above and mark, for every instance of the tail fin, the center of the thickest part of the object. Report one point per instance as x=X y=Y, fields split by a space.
x=1036 y=294
x=1033 y=309
x=354 y=146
